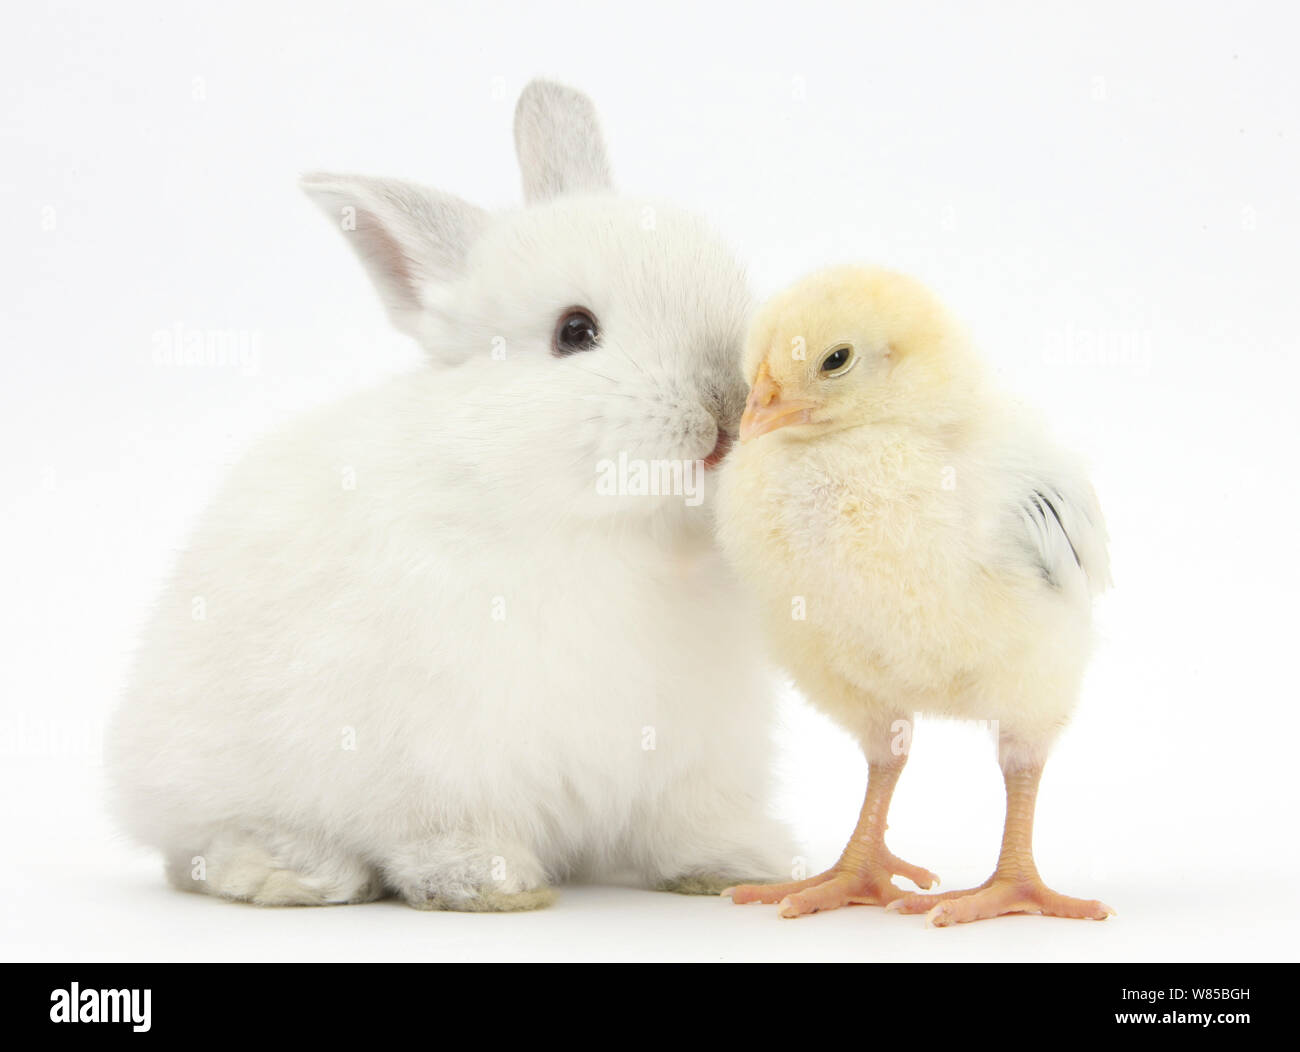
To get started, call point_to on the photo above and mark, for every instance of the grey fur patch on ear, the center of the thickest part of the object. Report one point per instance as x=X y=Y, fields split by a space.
x=408 y=237
x=558 y=139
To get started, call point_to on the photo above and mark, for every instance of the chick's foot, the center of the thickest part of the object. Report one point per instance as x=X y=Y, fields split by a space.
x=862 y=875
x=998 y=897
x=867 y=884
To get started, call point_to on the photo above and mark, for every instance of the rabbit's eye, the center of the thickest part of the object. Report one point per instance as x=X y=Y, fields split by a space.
x=575 y=331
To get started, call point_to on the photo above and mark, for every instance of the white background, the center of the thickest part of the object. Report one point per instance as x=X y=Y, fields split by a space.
x=1105 y=192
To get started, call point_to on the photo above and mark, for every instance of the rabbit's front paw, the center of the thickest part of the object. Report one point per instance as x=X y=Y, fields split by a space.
x=458 y=872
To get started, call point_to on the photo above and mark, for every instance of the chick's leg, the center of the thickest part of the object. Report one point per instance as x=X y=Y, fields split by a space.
x=1015 y=886
x=862 y=875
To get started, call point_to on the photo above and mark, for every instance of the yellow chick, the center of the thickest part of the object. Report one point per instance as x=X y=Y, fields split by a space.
x=917 y=546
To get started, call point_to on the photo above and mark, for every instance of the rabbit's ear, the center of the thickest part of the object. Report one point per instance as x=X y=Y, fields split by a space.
x=557 y=137
x=411 y=239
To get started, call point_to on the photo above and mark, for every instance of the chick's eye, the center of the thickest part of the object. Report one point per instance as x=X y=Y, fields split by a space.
x=575 y=331
x=837 y=360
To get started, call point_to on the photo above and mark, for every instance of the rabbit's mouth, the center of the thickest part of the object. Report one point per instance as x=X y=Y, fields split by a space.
x=720 y=449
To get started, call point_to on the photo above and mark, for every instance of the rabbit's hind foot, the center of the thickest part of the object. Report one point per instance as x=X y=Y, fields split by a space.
x=271 y=872
x=487 y=900
x=697 y=884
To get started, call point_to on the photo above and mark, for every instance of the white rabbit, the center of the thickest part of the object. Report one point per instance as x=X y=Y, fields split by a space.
x=415 y=646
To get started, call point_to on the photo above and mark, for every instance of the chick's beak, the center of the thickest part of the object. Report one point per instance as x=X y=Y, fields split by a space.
x=766 y=410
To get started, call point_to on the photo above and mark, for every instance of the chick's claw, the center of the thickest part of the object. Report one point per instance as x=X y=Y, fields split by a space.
x=743 y=894
x=997 y=898
x=922 y=878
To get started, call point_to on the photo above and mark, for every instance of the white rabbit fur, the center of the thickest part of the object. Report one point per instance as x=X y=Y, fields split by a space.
x=431 y=659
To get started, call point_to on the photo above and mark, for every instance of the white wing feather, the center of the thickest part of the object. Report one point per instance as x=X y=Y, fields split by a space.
x=1056 y=517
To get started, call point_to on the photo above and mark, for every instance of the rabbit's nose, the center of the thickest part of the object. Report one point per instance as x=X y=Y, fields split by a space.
x=725 y=403
x=697 y=418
